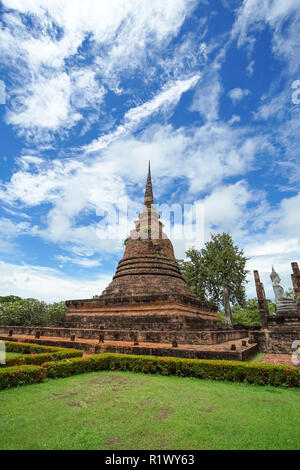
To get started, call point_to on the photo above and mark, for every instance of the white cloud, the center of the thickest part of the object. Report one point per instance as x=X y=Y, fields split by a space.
x=225 y=208
x=237 y=94
x=263 y=256
x=207 y=95
x=255 y=14
x=278 y=244
x=47 y=284
x=250 y=68
x=234 y=119
x=283 y=22
x=163 y=101
x=9 y=231
x=289 y=221
x=77 y=191
x=46 y=105
x=274 y=247
x=52 y=82
x=80 y=261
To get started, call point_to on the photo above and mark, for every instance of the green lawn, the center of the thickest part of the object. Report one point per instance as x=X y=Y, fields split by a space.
x=123 y=410
x=258 y=357
x=12 y=354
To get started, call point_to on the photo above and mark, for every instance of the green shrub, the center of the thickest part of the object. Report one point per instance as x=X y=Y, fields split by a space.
x=38 y=359
x=36 y=354
x=72 y=366
x=15 y=376
x=28 y=348
x=30 y=312
x=234 y=371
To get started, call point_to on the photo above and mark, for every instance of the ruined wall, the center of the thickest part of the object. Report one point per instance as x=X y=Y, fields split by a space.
x=277 y=340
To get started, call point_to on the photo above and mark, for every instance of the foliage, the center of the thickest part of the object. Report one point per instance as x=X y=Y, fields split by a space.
x=68 y=367
x=146 y=228
x=29 y=348
x=31 y=312
x=35 y=356
x=9 y=298
x=247 y=315
x=234 y=371
x=15 y=376
x=290 y=293
x=219 y=262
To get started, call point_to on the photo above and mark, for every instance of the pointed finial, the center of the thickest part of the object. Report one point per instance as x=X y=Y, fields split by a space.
x=148 y=200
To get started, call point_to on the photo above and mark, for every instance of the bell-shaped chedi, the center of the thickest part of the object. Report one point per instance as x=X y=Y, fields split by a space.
x=148 y=269
x=147 y=283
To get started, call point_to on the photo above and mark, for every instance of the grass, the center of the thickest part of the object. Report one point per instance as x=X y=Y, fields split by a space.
x=257 y=358
x=123 y=410
x=12 y=354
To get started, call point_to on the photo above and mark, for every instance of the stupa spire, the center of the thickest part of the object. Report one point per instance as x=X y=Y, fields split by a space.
x=148 y=199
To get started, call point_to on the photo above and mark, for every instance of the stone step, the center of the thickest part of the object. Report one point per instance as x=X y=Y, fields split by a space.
x=217 y=351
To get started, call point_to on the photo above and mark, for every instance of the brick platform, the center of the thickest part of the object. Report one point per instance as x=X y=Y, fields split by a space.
x=91 y=346
x=194 y=337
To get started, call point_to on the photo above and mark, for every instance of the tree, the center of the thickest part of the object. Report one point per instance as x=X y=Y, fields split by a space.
x=31 y=312
x=217 y=273
x=9 y=298
x=247 y=315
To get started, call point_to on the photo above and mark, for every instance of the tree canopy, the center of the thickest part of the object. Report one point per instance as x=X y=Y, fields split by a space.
x=247 y=316
x=30 y=312
x=219 y=263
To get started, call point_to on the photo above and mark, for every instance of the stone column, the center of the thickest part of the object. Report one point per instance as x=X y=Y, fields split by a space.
x=262 y=301
x=296 y=284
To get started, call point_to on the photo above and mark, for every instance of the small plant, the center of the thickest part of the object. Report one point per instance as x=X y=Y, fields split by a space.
x=146 y=229
x=126 y=240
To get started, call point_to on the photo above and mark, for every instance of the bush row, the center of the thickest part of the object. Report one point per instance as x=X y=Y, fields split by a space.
x=38 y=359
x=234 y=371
x=15 y=376
x=36 y=355
x=28 y=348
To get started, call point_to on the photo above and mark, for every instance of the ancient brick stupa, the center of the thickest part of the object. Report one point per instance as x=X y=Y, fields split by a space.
x=147 y=290
x=147 y=308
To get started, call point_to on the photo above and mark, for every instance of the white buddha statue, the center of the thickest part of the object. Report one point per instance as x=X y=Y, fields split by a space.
x=284 y=305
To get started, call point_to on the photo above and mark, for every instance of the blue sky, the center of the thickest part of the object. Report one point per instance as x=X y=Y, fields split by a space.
x=91 y=91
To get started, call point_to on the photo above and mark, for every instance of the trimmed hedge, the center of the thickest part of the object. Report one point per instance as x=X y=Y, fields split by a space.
x=234 y=371
x=14 y=376
x=38 y=359
x=69 y=367
x=28 y=348
x=36 y=355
